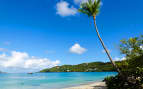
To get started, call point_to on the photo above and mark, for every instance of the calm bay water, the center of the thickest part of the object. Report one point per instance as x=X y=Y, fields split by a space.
x=50 y=80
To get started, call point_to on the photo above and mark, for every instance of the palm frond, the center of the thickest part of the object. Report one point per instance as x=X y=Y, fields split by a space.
x=98 y=2
x=91 y=8
x=85 y=12
x=90 y=2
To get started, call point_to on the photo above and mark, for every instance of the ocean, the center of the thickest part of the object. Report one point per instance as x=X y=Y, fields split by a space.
x=50 y=80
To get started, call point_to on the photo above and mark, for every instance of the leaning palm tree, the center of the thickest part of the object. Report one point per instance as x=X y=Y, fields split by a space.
x=91 y=8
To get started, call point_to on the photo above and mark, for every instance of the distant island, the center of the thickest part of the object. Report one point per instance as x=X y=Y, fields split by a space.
x=2 y=72
x=84 y=67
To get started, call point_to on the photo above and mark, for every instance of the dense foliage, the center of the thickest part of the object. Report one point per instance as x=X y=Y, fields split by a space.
x=90 y=8
x=84 y=67
x=132 y=67
x=132 y=47
x=131 y=64
x=131 y=80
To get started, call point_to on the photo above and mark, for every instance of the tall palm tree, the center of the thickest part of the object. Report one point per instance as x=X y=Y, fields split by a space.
x=91 y=8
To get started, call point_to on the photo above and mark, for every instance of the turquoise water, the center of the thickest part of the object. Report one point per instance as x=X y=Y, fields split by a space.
x=50 y=80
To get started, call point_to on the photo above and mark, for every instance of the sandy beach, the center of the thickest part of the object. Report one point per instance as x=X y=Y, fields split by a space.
x=96 y=85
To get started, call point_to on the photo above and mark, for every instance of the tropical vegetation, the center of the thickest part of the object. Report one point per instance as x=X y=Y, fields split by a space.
x=131 y=67
x=84 y=67
x=91 y=8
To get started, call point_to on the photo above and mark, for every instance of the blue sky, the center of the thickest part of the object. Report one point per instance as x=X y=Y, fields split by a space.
x=49 y=29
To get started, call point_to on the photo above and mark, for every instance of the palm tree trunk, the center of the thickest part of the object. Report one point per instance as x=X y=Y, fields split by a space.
x=107 y=52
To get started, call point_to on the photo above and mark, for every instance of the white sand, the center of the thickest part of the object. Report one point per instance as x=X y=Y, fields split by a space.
x=96 y=85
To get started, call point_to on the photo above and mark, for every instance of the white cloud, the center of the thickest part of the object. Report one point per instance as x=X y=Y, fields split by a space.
x=3 y=50
x=18 y=61
x=79 y=1
x=76 y=48
x=120 y=59
x=83 y=1
x=63 y=9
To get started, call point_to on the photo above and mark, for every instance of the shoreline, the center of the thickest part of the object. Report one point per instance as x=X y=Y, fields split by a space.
x=94 y=85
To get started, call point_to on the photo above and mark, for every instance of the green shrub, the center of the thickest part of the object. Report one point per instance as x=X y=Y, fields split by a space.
x=131 y=68
x=130 y=80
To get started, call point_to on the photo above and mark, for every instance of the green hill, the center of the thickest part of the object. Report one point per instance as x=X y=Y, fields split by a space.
x=84 y=67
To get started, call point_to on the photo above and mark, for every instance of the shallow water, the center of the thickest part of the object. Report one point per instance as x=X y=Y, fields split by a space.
x=50 y=80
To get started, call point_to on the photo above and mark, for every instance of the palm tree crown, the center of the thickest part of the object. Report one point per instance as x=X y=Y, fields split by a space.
x=91 y=7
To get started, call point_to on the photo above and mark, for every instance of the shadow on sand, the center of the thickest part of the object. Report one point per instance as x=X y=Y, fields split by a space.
x=99 y=87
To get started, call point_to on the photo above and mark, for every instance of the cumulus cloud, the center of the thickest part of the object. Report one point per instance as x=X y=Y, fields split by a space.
x=77 y=49
x=83 y=1
x=3 y=50
x=63 y=9
x=120 y=59
x=22 y=61
x=79 y=1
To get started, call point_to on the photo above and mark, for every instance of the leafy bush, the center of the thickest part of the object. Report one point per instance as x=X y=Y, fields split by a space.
x=131 y=68
x=131 y=63
x=130 y=80
x=132 y=47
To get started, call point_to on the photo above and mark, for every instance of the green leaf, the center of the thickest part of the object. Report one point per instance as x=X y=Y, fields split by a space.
x=90 y=8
